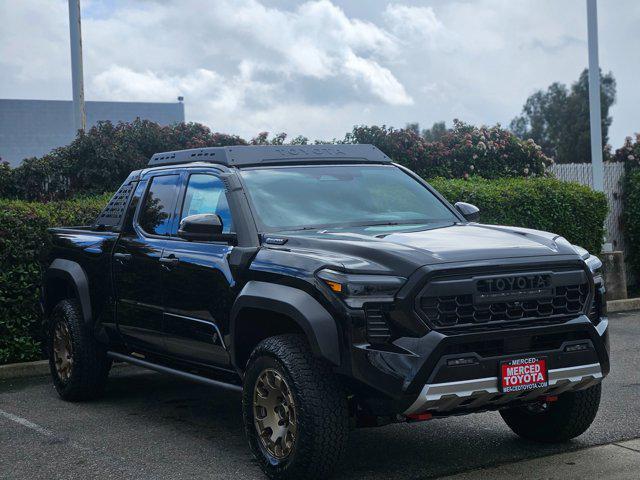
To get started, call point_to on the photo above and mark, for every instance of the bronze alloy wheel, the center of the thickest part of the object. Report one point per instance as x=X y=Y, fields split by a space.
x=274 y=414
x=62 y=351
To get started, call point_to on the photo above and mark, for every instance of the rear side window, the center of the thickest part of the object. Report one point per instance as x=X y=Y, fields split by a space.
x=158 y=205
x=207 y=194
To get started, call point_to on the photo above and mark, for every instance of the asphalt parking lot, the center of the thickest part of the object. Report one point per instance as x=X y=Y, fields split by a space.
x=156 y=427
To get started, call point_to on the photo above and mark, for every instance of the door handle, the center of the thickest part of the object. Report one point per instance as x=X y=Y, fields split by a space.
x=169 y=261
x=122 y=257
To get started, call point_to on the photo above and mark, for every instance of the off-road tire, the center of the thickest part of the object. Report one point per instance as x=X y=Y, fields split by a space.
x=321 y=409
x=569 y=416
x=91 y=365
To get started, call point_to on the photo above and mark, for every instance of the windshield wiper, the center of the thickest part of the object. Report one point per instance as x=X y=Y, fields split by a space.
x=302 y=229
x=391 y=223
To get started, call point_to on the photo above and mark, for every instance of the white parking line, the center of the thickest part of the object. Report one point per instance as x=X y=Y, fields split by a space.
x=119 y=463
x=41 y=430
x=26 y=423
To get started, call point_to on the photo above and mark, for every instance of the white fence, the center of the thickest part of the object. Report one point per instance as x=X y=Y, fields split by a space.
x=613 y=173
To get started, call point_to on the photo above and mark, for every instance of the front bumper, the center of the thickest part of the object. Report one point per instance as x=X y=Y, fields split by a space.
x=415 y=375
x=483 y=393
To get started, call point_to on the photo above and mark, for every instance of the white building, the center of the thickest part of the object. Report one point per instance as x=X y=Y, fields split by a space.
x=32 y=128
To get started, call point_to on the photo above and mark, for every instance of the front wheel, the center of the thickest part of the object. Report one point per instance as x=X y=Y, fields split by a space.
x=559 y=421
x=294 y=409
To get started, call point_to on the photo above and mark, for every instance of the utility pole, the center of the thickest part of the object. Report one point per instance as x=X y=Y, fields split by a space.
x=75 y=35
x=595 y=115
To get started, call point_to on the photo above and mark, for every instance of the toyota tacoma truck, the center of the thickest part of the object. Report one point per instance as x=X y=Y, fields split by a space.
x=334 y=289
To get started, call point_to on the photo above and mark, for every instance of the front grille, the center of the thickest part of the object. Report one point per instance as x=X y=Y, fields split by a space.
x=458 y=310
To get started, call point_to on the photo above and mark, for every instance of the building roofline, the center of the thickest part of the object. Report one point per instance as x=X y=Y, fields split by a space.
x=57 y=100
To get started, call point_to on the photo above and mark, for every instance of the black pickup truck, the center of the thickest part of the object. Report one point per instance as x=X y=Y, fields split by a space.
x=335 y=289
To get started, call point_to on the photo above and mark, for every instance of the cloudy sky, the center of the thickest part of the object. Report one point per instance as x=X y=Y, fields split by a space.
x=317 y=68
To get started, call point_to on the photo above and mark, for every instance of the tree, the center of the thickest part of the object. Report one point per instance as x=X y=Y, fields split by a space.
x=414 y=127
x=6 y=180
x=433 y=134
x=437 y=131
x=558 y=119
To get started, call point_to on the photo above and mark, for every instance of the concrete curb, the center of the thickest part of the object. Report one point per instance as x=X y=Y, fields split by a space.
x=625 y=305
x=26 y=369
x=38 y=368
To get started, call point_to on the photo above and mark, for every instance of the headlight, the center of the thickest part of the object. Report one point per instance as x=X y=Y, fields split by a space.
x=357 y=289
x=594 y=264
x=581 y=251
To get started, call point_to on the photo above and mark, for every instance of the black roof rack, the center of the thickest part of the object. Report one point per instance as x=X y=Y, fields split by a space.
x=245 y=155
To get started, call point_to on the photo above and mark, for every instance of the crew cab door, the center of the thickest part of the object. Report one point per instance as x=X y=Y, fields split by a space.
x=197 y=283
x=137 y=263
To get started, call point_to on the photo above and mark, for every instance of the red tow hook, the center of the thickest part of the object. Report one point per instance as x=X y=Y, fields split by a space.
x=548 y=398
x=419 y=417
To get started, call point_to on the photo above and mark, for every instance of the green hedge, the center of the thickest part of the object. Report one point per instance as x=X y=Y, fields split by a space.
x=22 y=239
x=631 y=219
x=574 y=211
x=569 y=209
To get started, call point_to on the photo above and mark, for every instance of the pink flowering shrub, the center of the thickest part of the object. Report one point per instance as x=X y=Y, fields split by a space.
x=99 y=159
x=489 y=152
x=629 y=153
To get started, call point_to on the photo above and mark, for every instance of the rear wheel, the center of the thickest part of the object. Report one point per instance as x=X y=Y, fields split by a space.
x=295 y=410
x=559 y=421
x=79 y=365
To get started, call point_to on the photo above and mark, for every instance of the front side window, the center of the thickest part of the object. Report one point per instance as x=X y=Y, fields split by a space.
x=158 y=205
x=340 y=196
x=206 y=194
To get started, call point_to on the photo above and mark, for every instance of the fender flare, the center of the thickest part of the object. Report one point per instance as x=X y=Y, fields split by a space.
x=315 y=321
x=72 y=272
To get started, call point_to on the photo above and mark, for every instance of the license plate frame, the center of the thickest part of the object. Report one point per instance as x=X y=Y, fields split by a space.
x=523 y=374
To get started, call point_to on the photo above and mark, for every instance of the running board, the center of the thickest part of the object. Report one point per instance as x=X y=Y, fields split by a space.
x=172 y=371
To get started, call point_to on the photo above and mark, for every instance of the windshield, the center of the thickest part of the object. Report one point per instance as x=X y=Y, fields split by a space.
x=338 y=196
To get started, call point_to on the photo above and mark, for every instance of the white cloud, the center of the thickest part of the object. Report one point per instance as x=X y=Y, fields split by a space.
x=319 y=67
x=238 y=56
x=120 y=82
x=379 y=79
x=34 y=45
x=215 y=91
x=417 y=24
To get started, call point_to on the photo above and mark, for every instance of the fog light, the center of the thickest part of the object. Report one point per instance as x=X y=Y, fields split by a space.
x=454 y=362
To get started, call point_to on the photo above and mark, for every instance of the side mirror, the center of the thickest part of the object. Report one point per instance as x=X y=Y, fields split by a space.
x=468 y=211
x=204 y=227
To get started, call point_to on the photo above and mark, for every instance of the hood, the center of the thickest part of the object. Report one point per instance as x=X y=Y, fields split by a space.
x=401 y=252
